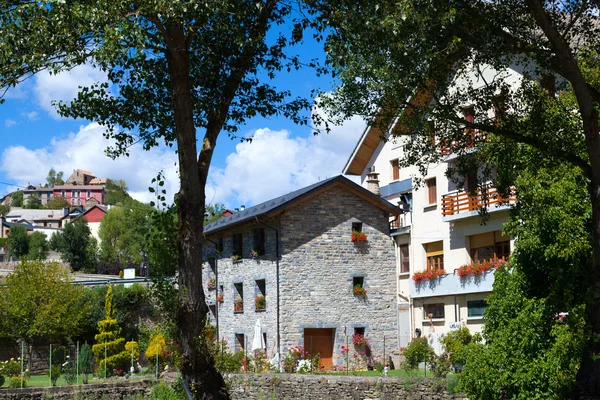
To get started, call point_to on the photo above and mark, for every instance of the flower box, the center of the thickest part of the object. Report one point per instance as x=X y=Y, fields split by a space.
x=211 y=284
x=238 y=306
x=359 y=290
x=257 y=252
x=477 y=269
x=428 y=274
x=358 y=237
x=220 y=298
x=260 y=303
x=359 y=340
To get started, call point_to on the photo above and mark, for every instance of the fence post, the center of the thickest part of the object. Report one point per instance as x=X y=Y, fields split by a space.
x=50 y=369
x=104 y=359
x=77 y=363
x=22 y=358
x=347 y=355
x=384 y=360
x=132 y=368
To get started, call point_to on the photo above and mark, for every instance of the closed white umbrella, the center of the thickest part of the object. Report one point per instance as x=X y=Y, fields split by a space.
x=258 y=343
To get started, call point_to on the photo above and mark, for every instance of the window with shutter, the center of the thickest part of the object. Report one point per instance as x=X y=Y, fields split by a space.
x=431 y=191
x=404 y=259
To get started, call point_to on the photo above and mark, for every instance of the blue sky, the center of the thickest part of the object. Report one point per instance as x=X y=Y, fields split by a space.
x=282 y=157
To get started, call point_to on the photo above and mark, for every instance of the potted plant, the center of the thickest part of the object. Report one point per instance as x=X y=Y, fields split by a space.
x=260 y=302
x=220 y=298
x=238 y=305
x=257 y=252
x=212 y=283
x=359 y=340
x=358 y=236
x=359 y=290
x=236 y=257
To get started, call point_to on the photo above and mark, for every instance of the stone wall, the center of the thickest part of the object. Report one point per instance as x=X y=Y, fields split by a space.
x=319 y=264
x=313 y=387
x=83 y=392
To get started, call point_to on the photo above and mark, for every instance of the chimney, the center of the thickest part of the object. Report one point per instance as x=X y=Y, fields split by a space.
x=242 y=208
x=373 y=182
x=237 y=210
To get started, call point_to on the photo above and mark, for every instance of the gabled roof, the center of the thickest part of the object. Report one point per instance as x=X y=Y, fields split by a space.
x=34 y=214
x=279 y=204
x=12 y=224
x=101 y=208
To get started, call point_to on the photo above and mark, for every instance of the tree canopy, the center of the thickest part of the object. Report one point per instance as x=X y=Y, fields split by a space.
x=175 y=69
x=17 y=199
x=57 y=203
x=40 y=301
x=77 y=245
x=528 y=72
x=18 y=241
x=54 y=178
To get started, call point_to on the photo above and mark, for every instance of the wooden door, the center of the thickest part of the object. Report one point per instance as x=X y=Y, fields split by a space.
x=320 y=341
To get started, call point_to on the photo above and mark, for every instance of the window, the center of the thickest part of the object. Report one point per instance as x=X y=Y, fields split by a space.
x=237 y=245
x=240 y=342
x=436 y=310
x=395 y=169
x=62 y=193
x=260 y=293
x=469 y=114
x=489 y=246
x=238 y=297
x=358 y=281
x=471 y=182
x=431 y=191
x=220 y=245
x=435 y=255
x=357 y=227
x=259 y=241
x=404 y=259
x=89 y=193
x=475 y=308
x=359 y=331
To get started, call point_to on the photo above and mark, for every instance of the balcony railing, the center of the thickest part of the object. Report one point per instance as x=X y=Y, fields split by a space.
x=401 y=221
x=452 y=284
x=463 y=201
x=471 y=137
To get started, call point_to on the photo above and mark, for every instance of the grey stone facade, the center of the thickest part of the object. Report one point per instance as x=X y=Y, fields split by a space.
x=318 y=265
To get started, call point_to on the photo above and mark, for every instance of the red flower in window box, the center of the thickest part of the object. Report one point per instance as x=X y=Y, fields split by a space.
x=478 y=269
x=359 y=340
x=359 y=290
x=220 y=298
x=428 y=275
x=238 y=305
x=358 y=236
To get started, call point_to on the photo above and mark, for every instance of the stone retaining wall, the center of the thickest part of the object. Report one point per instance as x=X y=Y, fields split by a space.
x=83 y=392
x=313 y=387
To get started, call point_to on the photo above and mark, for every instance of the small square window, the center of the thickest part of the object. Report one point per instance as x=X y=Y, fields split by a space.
x=359 y=331
x=475 y=308
x=357 y=226
x=436 y=310
x=358 y=281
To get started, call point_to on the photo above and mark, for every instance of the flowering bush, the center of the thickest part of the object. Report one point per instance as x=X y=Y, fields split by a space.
x=359 y=290
x=212 y=283
x=428 y=274
x=260 y=303
x=12 y=369
x=359 y=340
x=295 y=354
x=478 y=269
x=358 y=236
x=238 y=305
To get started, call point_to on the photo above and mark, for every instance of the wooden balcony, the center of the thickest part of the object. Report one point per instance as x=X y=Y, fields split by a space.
x=463 y=202
x=470 y=138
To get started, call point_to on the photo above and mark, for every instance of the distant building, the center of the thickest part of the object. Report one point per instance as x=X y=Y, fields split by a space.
x=42 y=193
x=80 y=195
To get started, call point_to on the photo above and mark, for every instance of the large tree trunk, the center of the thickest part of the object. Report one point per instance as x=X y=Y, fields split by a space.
x=197 y=366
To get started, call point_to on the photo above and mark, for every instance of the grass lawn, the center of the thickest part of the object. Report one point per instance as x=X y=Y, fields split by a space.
x=44 y=380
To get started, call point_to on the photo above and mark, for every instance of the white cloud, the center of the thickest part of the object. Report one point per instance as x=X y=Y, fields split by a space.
x=64 y=86
x=275 y=163
x=85 y=150
x=31 y=116
x=9 y=122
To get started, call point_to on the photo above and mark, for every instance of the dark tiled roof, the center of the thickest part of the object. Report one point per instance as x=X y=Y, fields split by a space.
x=11 y=224
x=280 y=202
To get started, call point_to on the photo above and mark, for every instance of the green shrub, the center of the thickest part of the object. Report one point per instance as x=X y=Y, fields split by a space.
x=454 y=342
x=416 y=352
x=440 y=365
x=163 y=392
x=1 y=380
x=86 y=362
x=54 y=372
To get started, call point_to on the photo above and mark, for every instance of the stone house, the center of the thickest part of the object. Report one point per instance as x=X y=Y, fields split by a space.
x=291 y=262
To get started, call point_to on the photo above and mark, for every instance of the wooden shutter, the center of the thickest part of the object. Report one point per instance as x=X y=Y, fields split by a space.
x=404 y=259
x=432 y=191
x=395 y=170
